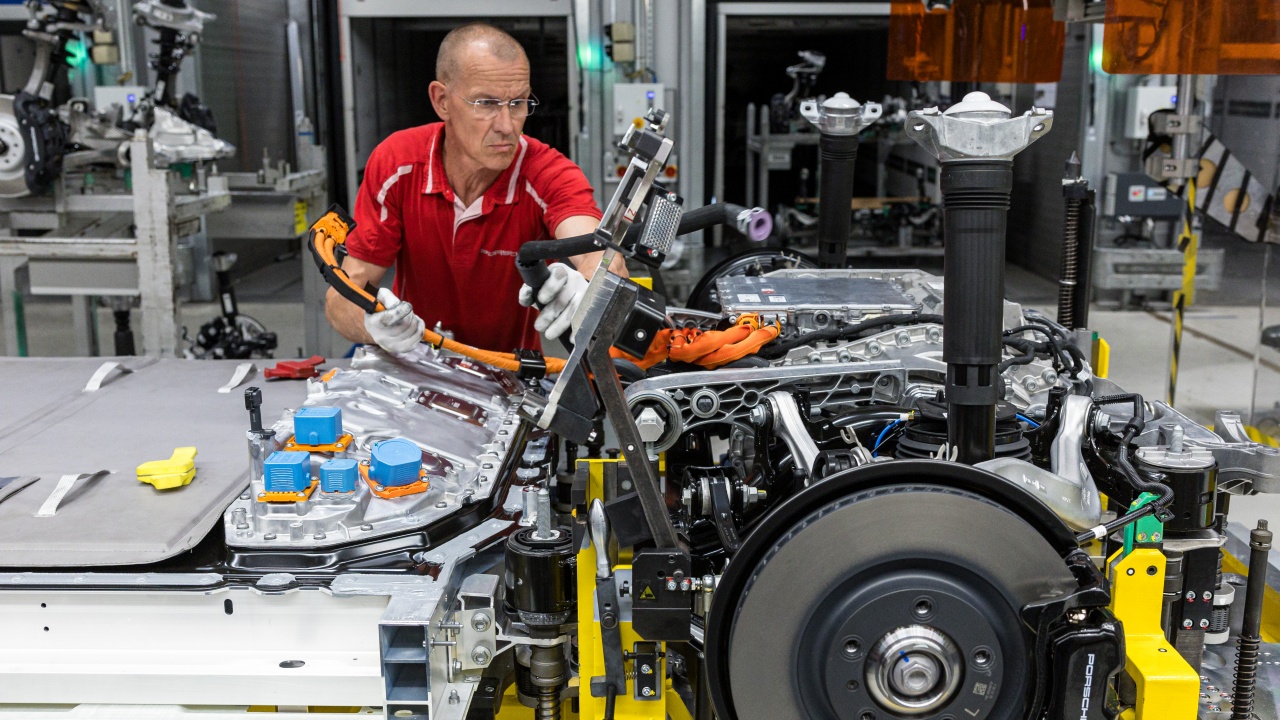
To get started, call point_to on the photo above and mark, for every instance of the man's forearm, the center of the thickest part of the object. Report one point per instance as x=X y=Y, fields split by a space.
x=345 y=317
x=587 y=264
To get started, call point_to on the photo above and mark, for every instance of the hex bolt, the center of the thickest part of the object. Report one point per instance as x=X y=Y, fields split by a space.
x=480 y=656
x=480 y=622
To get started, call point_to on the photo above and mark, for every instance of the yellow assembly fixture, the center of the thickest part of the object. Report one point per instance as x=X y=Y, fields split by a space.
x=1167 y=688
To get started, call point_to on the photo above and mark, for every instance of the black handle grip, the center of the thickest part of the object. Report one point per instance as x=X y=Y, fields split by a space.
x=535 y=276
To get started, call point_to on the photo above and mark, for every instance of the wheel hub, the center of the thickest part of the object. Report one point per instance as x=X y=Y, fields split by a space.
x=913 y=670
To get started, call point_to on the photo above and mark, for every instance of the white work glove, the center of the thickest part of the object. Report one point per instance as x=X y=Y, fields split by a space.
x=396 y=329
x=559 y=297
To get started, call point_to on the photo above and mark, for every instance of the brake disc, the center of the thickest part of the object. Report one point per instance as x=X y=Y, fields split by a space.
x=897 y=601
x=12 y=151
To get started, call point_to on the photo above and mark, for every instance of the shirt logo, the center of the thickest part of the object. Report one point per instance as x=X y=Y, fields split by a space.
x=496 y=253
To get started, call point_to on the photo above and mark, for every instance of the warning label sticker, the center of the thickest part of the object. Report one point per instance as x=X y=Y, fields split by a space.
x=647 y=593
x=777 y=298
x=743 y=298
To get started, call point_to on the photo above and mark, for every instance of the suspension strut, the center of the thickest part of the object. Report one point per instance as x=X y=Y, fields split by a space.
x=839 y=119
x=975 y=141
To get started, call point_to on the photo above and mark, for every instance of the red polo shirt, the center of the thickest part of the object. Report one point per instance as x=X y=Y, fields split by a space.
x=457 y=264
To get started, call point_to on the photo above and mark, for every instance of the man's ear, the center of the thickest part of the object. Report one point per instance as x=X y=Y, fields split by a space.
x=438 y=93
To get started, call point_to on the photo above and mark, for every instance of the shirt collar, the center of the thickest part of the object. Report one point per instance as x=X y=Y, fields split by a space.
x=501 y=192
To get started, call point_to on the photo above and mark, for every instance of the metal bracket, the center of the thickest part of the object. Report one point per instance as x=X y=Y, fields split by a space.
x=614 y=398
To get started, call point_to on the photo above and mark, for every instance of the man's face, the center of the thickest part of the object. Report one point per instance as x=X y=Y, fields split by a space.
x=490 y=142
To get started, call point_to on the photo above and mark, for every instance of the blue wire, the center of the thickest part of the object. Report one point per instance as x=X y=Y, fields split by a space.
x=1027 y=420
x=881 y=436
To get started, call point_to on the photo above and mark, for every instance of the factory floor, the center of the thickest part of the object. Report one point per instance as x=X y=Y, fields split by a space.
x=1218 y=369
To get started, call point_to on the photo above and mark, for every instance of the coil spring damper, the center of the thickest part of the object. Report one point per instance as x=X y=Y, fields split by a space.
x=863 y=600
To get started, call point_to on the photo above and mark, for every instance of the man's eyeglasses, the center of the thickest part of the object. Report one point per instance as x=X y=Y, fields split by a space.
x=488 y=108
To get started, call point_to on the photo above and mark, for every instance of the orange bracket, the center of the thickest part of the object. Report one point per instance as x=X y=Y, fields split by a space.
x=284 y=497
x=387 y=493
x=342 y=445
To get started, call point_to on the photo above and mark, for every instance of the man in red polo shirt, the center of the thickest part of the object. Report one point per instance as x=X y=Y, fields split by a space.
x=450 y=203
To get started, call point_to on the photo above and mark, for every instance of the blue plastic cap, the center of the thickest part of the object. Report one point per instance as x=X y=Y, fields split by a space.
x=338 y=475
x=317 y=426
x=287 y=471
x=395 y=462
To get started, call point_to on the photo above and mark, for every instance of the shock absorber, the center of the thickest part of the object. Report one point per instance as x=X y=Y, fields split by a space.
x=1073 y=188
x=1251 y=631
x=839 y=119
x=974 y=141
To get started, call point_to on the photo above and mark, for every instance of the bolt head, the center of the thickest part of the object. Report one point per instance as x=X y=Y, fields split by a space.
x=1191 y=595
x=480 y=656
x=480 y=622
x=645 y=670
x=671 y=585
x=1207 y=596
x=647 y=692
x=1188 y=624
x=1204 y=623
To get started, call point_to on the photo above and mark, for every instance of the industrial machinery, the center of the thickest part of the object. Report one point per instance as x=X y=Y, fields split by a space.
x=46 y=133
x=845 y=494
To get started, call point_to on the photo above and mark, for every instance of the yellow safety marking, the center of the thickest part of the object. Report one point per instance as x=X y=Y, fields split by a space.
x=1270 y=599
x=300 y=224
x=175 y=472
x=1260 y=437
x=1189 y=243
x=644 y=282
x=1167 y=687
x=1101 y=356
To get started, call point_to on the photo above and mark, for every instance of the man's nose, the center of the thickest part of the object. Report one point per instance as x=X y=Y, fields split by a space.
x=503 y=122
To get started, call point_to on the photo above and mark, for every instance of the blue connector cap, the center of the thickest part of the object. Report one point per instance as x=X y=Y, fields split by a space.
x=287 y=471
x=338 y=476
x=317 y=426
x=395 y=462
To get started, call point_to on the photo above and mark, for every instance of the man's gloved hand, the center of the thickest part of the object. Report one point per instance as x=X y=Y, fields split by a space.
x=396 y=329
x=559 y=297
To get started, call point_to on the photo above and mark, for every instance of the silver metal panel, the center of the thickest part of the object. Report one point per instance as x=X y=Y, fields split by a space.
x=815 y=301
x=255 y=216
x=134 y=418
x=83 y=277
x=1153 y=269
x=461 y=414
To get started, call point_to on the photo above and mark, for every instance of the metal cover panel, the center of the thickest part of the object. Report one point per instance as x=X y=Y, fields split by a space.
x=83 y=277
x=773 y=294
x=135 y=417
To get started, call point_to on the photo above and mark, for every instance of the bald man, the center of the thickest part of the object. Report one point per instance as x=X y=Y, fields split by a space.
x=450 y=203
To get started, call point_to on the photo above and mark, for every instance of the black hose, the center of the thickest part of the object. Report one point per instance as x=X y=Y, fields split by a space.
x=693 y=221
x=779 y=347
x=1139 y=421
